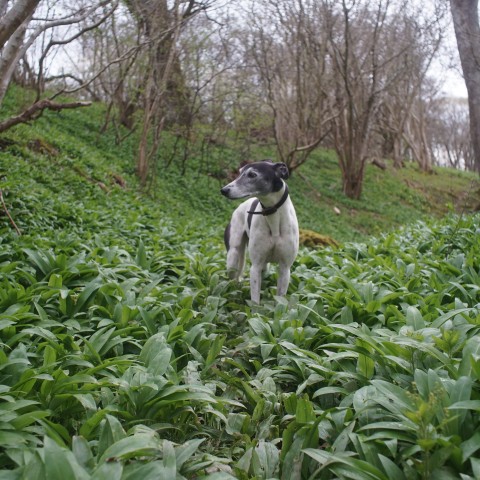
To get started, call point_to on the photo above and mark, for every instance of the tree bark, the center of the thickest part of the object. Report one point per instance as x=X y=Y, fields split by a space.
x=9 y=58
x=467 y=33
x=20 y=11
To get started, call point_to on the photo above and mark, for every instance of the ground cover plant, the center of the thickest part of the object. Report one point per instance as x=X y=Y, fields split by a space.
x=126 y=353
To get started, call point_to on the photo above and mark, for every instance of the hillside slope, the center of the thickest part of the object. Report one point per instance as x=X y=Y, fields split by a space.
x=67 y=148
x=126 y=353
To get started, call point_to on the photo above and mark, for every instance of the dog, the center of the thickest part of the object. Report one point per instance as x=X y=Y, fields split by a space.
x=266 y=222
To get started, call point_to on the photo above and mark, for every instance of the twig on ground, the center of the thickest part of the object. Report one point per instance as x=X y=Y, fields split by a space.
x=8 y=213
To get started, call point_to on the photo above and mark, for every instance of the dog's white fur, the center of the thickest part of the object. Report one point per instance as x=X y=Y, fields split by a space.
x=272 y=238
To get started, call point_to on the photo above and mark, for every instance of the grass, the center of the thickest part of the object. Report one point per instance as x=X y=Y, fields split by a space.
x=125 y=352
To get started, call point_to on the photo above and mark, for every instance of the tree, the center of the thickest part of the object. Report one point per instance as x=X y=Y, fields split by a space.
x=404 y=120
x=449 y=131
x=365 y=66
x=288 y=44
x=467 y=33
x=19 y=32
x=164 y=86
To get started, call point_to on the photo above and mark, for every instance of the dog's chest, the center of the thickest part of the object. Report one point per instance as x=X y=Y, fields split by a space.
x=273 y=239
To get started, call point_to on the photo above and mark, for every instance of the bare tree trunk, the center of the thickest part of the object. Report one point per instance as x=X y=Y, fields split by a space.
x=467 y=32
x=16 y=16
x=9 y=58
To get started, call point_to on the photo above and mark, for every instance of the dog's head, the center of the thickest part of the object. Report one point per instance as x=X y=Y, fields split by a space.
x=257 y=179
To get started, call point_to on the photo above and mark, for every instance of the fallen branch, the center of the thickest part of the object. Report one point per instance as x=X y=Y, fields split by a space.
x=8 y=213
x=379 y=163
x=91 y=179
x=35 y=110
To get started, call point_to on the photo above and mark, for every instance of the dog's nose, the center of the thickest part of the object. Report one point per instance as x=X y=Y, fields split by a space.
x=224 y=190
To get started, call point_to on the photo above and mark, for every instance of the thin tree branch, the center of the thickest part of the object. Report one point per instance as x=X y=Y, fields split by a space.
x=8 y=214
x=35 y=110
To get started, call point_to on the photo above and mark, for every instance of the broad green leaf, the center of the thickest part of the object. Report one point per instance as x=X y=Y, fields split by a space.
x=49 y=356
x=292 y=456
x=365 y=364
x=214 y=350
x=87 y=428
x=61 y=463
x=268 y=459
x=475 y=467
x=414 y=318
x=185 y=451
x=392 y=471
x=348 y=466
x=140 y=445
x=27 y=419
x=87 y=294
x=111 y=431
x=83 y=453
x=466 y=405
x=471 y=350
x=108 y=471
x=169 y=459
x=470 y=446
x=304 y=412
x=237 y=423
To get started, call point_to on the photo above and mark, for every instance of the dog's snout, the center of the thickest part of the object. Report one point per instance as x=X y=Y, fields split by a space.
x=224 y=190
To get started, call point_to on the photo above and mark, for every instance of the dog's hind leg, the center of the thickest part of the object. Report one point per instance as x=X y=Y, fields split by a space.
x=236 y=243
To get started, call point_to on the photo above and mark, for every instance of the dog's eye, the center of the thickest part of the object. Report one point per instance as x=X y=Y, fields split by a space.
x=251 y=174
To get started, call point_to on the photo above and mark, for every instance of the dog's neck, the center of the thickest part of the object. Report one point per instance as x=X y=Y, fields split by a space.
x=273 y=201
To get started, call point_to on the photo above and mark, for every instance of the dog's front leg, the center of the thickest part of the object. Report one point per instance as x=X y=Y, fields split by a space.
x=255 y=282
x=283 y=279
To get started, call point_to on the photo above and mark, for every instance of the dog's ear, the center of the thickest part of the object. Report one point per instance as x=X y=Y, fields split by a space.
x=282 y=170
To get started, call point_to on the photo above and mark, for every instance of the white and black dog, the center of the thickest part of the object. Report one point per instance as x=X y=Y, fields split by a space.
x=267 y=223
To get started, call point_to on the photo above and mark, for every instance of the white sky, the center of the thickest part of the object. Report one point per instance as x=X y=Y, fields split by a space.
x=454 y=85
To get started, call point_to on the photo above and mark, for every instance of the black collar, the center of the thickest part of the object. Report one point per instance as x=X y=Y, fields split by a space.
x=271 y=210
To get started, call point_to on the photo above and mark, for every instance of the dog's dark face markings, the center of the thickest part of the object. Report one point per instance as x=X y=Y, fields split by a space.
x=257 y=179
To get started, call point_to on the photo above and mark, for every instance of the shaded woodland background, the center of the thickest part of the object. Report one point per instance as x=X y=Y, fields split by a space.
x=355 y=76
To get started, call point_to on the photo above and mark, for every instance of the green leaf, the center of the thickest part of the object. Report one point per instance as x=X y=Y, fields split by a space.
x=87 y=294
x=60 y=463
x=414 y=318
x=49 y=356
x=108 y=471
x=304 y=412
x=27 y=419
x=141 y=257
x=268 y=460
x=215 y=349
x=392 y=471
x=470 y=350
x=237 y=423
x=137 y=445
x=466 y=405
x=470 y=446
x=186 y=450
x=365 y=364
x=83 y=453
x=169 y=459
x=87 y=428
x=112 y=431
x=475 y=467
x=349 y=467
